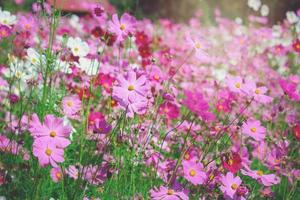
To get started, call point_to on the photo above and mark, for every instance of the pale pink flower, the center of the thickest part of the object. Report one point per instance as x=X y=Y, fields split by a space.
x=254 y=129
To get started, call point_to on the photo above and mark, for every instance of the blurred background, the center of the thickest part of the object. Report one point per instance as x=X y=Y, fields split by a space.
x=177 y=10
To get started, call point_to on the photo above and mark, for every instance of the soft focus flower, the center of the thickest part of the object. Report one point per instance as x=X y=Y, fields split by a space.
x=7 y=19
x=5 y=32
x=56 y=174
x=254 y=4
x=170 y=110
x=71 y=106
x=264 y=10
x=254 y=129
x=196 y=103
x=78 y=47
x=265 y=179
x=164 y=193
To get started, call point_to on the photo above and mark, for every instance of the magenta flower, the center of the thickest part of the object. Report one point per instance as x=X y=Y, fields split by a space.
x=123 y=27
x=265 y=179
x=290 y=87
x=193 y=172
x=71 y=106
x=254 y=129
x=101 y=127
x=56 y=174
x=230 y=184
x=5 y=31
x=47 y=153
x=164 y=193
x=198 y=105
x=170 y=110
x=52 y=131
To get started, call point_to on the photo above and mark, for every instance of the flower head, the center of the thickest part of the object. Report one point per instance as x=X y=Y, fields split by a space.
x=254 y=129
x=230 y=184
x=194 y=172
x=164 y=193
x=47 y=153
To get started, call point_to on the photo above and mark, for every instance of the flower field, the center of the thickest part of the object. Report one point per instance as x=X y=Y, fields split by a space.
x=106 y=106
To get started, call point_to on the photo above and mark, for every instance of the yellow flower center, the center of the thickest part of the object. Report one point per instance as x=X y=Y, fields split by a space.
x=52 y=133
x=234 y=186
x=187 y=156
x=170 y=192
x=298 y=46
x=48 y=152
x=58 y=175
x=69 y=103
x=122 y=27
x=33 y=60
x=130 y=87
x=230 y=161
x=76 y=49
x=156 y=77
x=211 y=177
x=259 y=173
x=238 y=85
x=3 y=33
x=192 y=172
x=257 y=91
x=253 y=130
x=5 y=21
x=198 y=45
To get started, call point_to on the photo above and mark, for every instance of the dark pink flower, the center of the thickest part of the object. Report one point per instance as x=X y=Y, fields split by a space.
x=198 y=105
x=170 y=110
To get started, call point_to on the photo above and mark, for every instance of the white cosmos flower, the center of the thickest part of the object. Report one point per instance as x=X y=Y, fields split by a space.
x=35 y=58
x=292 y=17
x=254 y=4
x=6 y=18
x=264 y=10
x=90 y=67
x=63 y=66
x=78 y=47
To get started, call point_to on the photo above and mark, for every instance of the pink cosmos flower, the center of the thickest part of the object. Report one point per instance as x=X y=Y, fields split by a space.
x=52 y=131
x=164 y=193
x=265 y=179
x=197 y=104
x=123 y=27
x=73 y=172
x=254 y=129
x=71 y=106
x=199 y=45
x=131 y=93
x=230 y=184
x=258 y=93
x=235 y=84
x=47 y=153
x=193 y=172
x=56 y=174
